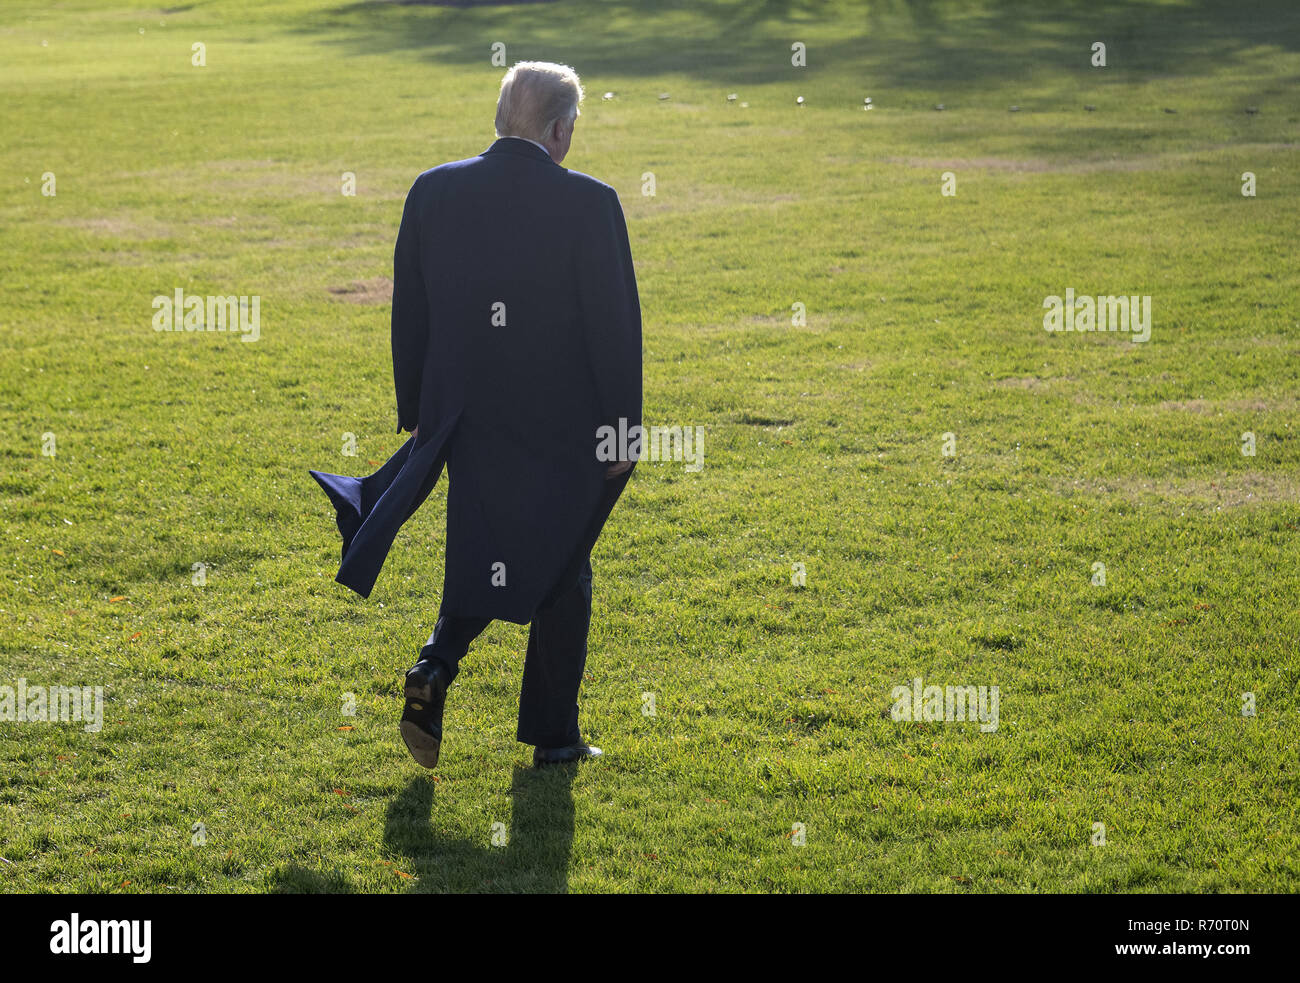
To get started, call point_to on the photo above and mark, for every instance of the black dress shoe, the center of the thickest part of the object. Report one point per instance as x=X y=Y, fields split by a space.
x=421 y=726
x=544 y=756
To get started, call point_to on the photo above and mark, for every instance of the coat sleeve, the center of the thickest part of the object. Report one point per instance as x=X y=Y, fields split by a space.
x=410 y=314
x=611 y=312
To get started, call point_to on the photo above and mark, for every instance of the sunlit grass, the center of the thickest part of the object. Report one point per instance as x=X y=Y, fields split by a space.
x=1119 y=704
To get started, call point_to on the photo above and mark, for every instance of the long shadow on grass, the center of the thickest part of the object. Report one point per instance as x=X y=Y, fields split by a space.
x=535 y=859
x=892 y=44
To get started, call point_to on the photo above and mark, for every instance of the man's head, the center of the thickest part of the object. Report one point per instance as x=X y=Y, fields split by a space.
x=539 y=101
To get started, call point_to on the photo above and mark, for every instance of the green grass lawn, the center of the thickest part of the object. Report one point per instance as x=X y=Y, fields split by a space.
x=772 y=762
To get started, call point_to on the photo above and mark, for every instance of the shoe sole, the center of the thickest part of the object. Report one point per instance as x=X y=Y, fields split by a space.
x=424 y=747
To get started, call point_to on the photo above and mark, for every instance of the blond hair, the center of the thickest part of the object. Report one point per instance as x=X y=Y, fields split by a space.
x=534 y=95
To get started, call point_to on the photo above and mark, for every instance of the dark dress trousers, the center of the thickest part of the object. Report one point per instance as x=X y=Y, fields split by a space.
x=516 y=335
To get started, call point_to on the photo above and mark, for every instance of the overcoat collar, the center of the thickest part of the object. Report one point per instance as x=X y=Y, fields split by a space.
x=513 y=145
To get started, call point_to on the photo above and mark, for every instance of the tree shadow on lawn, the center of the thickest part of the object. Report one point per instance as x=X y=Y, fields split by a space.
x=893 y=44
x=535 y=859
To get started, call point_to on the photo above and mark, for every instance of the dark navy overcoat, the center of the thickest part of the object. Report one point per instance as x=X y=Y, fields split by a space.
x=516 y=336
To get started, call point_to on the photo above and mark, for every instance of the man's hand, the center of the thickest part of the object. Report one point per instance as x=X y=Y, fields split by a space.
x=617 y=468
x=416 y=431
